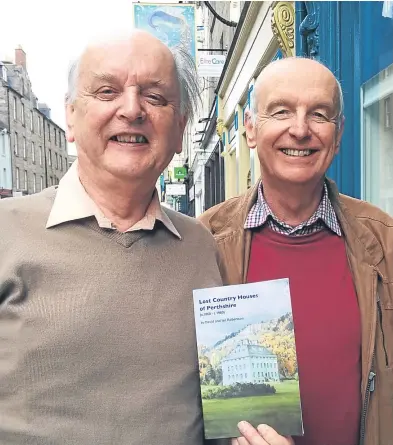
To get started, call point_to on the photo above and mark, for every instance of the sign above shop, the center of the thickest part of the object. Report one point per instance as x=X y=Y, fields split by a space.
x=210 y=65
x=176 y=189
x=180 y=172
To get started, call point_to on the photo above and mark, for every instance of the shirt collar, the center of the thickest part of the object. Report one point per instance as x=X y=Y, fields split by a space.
x=260 y=212
x=73 y=203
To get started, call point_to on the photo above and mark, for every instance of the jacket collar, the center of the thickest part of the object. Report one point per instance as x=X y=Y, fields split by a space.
x=231 y=216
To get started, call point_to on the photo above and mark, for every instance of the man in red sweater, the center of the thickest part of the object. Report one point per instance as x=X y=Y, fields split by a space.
x=336 y=251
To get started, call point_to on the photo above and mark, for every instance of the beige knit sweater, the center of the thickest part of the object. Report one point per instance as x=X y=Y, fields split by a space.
x=97 y=342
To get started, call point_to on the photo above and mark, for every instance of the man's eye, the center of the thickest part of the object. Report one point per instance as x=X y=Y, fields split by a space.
x=156 y=99
x=282 y=113
x=319 y=115
x=106 y=93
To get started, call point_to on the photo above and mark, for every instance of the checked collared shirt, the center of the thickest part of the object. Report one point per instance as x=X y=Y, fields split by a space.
x=324 y=216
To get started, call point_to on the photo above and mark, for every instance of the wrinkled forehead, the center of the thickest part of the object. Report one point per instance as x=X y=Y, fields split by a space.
x=298 y=87
x=132 y=60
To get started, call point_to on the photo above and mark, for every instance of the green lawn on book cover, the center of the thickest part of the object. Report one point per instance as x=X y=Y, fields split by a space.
x=222 y=415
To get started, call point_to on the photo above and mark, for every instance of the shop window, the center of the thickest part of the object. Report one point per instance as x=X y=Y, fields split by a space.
x=377 y=140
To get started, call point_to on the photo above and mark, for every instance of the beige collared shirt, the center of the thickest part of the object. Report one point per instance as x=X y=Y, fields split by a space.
x=72 y=203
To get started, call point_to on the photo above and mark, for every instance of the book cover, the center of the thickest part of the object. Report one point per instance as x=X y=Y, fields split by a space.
x=247 y=358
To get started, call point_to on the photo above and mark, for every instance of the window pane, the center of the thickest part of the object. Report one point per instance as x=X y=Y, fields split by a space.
x=378 y=139
x=16 y=144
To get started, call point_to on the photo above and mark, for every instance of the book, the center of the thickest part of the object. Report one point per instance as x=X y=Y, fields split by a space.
x=247 y=358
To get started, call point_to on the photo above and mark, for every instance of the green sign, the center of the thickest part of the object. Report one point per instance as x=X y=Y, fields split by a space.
x=180 y=172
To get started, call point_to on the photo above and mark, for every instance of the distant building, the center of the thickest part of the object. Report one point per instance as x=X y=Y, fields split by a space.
x=71 y=160
x=38 y=146
x=249 y=363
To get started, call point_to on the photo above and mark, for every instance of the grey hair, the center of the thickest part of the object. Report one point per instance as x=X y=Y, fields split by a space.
x=186 y=74
x=339 y=100
x=73 y=73
x=190 y=96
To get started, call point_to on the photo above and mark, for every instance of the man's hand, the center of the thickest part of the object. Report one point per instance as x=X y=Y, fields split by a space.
x=262 y=435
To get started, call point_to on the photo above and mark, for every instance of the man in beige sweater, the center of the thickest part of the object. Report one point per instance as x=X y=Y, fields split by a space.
x=97 y=342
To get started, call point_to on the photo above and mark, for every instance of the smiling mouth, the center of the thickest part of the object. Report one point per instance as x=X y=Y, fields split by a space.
x=130 y=139
x=297 y=153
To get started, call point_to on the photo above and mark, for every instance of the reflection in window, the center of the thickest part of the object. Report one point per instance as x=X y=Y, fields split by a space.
x=378 y=140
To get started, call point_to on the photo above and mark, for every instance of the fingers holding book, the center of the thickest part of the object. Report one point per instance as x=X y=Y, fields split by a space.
x=262 y=435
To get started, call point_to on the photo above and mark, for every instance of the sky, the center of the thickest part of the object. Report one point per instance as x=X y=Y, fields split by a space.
x=52 y=34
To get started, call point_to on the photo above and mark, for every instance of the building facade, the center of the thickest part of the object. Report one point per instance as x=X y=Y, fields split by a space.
x=354 y=40
x=38 y=145
x=249 y=363
x=207 y=166
x=265 y=33
x=222 y=165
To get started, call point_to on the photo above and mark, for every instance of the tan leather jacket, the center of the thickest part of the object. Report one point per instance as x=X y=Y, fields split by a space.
x=369 y=240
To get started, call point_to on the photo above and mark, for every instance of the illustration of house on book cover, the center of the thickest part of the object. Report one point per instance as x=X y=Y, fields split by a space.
x=249 y=363
x=247 y=358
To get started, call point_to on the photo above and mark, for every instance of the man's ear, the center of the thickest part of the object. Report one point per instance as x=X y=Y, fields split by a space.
x=339 y=135
x=250 y=129
x=182 y=127
x=70 y=117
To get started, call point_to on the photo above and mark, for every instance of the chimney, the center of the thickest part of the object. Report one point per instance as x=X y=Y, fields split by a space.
x=20 y=57
x=44 y=109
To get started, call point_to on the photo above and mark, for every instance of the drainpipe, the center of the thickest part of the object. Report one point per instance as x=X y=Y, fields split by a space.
x=45 y=162
x=9 y=138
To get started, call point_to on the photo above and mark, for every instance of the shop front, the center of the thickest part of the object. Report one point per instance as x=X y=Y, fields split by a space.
x=354 y=39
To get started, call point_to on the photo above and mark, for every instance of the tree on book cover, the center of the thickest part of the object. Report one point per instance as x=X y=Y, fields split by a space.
x=276 y=336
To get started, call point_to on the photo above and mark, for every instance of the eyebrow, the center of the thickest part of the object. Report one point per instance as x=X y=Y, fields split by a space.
x=276 y=103
x=154 y=83
x=329 y=106
x=326 y=105
x=105 y=77
x=111 y=79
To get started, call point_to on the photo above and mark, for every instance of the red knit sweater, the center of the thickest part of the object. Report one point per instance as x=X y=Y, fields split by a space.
x=327 y=328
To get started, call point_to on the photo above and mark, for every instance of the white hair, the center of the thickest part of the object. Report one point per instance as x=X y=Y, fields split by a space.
x=339 y=98
x=186 y=74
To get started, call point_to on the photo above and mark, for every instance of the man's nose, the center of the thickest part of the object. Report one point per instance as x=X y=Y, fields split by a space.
x=131 y=107
x=299 y=127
